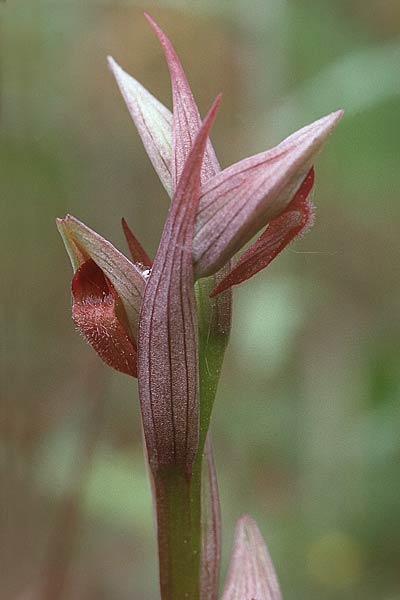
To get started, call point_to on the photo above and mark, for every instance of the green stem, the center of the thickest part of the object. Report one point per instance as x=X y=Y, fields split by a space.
x=179 y=534
x=214 y=316
x=178 y=497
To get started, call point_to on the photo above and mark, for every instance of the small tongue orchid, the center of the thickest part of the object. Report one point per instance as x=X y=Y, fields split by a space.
x=167 y=322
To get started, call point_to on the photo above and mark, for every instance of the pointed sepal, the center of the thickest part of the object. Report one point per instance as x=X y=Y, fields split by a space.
x=186 y=117
x=168 y=332
x=138 y=253
x=153 y=122
x=99 y=315
x=245 y=197
x=251 y=574
x=295 y=220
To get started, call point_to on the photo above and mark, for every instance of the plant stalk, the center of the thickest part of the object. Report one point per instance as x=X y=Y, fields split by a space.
x=179 y=534
x=178 y=497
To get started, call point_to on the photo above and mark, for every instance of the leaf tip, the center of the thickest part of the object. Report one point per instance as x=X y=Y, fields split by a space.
x=110 y=61
x=163 y=39
x=151 y=20
x=251 y=572
x=156 y=28
x=326 y=124
x=76 y=254
x=115 y=69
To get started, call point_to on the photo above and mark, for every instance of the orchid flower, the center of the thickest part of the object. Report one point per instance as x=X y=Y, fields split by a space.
x=167 y=321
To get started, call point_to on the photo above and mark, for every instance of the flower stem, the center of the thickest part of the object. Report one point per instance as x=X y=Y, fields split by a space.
x=179 y=534
x=178 y=497
x=214 y=316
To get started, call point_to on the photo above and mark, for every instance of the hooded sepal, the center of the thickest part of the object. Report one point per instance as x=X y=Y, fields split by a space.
x=76 y=255
x=98 y=313
x=127 y=278
x=295 y=220
x=168 y=331
x=251 y=574
x=153 y=122
x=245 y=197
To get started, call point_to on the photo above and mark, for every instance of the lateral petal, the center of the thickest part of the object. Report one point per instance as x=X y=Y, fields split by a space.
x=251 y=574
x=294 y=221
x=240 y=200
x=186 y=117
x=168 y=348
x=153 y=122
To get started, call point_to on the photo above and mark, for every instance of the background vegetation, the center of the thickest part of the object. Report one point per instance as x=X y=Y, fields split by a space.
x=306 y=425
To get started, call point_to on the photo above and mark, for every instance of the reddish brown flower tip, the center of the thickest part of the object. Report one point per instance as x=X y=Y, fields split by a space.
x=98 y=313
x=138 y=253
x=294 y=221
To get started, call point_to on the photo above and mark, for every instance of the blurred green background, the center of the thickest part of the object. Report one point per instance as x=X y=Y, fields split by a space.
x=306 y=425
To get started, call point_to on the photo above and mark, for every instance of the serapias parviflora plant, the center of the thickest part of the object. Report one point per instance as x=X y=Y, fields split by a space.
x=167 y=321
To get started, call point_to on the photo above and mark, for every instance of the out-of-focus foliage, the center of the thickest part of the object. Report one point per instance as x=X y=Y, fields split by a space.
x=306 y=425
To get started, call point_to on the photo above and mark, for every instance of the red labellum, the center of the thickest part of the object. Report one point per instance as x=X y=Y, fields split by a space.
x=294 y=220
x=98 y=313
